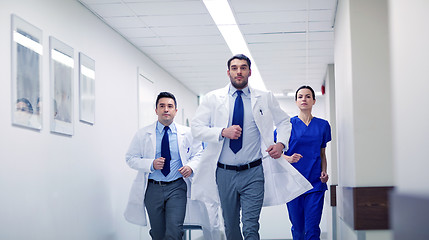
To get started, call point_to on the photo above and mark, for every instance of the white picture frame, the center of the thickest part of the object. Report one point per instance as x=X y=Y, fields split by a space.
x=86 y=89
x=61 y=88
x=26 y=55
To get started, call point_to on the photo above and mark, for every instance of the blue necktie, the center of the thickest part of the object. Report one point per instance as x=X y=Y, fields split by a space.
x=165 y=152
x=237 y=119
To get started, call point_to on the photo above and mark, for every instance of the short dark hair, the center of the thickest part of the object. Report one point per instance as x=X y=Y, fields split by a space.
x=241 y=57
x=165 y=95
x=305 y=87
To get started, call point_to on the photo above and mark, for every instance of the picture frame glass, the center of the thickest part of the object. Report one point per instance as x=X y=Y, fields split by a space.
x=86 y=89
x=27 y=51
x=61 y=75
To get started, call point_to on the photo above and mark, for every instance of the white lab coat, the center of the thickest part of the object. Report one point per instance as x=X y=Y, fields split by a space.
x=282 y=181
x=140 y=156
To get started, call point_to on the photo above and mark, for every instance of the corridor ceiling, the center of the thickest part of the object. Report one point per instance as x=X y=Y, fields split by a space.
x=291 y=41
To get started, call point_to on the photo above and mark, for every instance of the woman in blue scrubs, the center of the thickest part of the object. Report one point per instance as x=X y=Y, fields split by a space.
x=306 y=153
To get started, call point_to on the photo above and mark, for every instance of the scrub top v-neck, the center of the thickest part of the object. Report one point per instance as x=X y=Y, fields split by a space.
x=307 y=141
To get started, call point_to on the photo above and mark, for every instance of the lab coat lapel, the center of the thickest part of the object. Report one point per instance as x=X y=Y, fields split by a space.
x=254 y=98
x=180 y=139
x=151 y=131
x=261 y=122
x=224 y=105
x=224 y=96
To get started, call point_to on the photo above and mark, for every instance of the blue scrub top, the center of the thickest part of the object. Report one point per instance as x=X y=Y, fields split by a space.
x=307 y=141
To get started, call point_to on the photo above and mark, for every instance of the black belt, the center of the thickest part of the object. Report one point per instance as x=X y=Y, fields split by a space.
x=240 y=167
x=162 y=183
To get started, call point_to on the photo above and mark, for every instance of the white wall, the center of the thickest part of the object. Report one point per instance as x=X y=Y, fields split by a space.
x=410 y=85
x=331 y=152
x=371 y=92
x=344 y=95
x=363 y=107
x=59 y=187
x=409 y=36
x=330 y=104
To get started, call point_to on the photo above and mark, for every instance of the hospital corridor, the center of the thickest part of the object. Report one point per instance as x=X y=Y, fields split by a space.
x=80 y=77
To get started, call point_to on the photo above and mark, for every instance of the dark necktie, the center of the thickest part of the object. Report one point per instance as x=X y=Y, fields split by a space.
x=165 y=152
x=237 y=119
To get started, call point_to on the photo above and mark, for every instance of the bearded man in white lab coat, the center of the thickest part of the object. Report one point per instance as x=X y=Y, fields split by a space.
x=164 y=153
x=242 y=166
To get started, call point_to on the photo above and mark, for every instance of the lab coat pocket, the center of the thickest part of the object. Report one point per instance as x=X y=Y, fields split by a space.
x=138 y=189
x=135 y=197
x=186 y=149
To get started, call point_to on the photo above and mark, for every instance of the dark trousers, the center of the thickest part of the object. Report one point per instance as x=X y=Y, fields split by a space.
x=166 y=207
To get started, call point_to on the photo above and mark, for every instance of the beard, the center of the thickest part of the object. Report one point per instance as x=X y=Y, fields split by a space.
x=239 y=85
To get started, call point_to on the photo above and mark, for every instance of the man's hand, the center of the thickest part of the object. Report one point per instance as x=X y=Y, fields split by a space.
x=275 y=151
x=186 y=171
x=158 y=163
x=233 y=132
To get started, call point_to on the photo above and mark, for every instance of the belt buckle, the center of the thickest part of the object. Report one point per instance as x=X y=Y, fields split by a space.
x=160 y=183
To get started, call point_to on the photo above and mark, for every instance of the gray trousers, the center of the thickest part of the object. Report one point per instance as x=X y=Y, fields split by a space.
x=166 y=207
x=241 y=190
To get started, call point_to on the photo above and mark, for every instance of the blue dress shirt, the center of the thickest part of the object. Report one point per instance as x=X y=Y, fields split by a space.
x=251 y=149
x=175 y=162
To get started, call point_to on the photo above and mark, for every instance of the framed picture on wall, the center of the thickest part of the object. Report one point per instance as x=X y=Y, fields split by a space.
x=27 y=51
x=86 y=89
x=61 y=78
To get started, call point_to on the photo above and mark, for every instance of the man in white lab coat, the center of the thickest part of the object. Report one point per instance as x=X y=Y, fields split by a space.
x=165 y=155
x=242 y=166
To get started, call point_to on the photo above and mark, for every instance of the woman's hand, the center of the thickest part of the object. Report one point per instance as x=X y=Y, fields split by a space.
x=294 y=158
x=324 y=177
